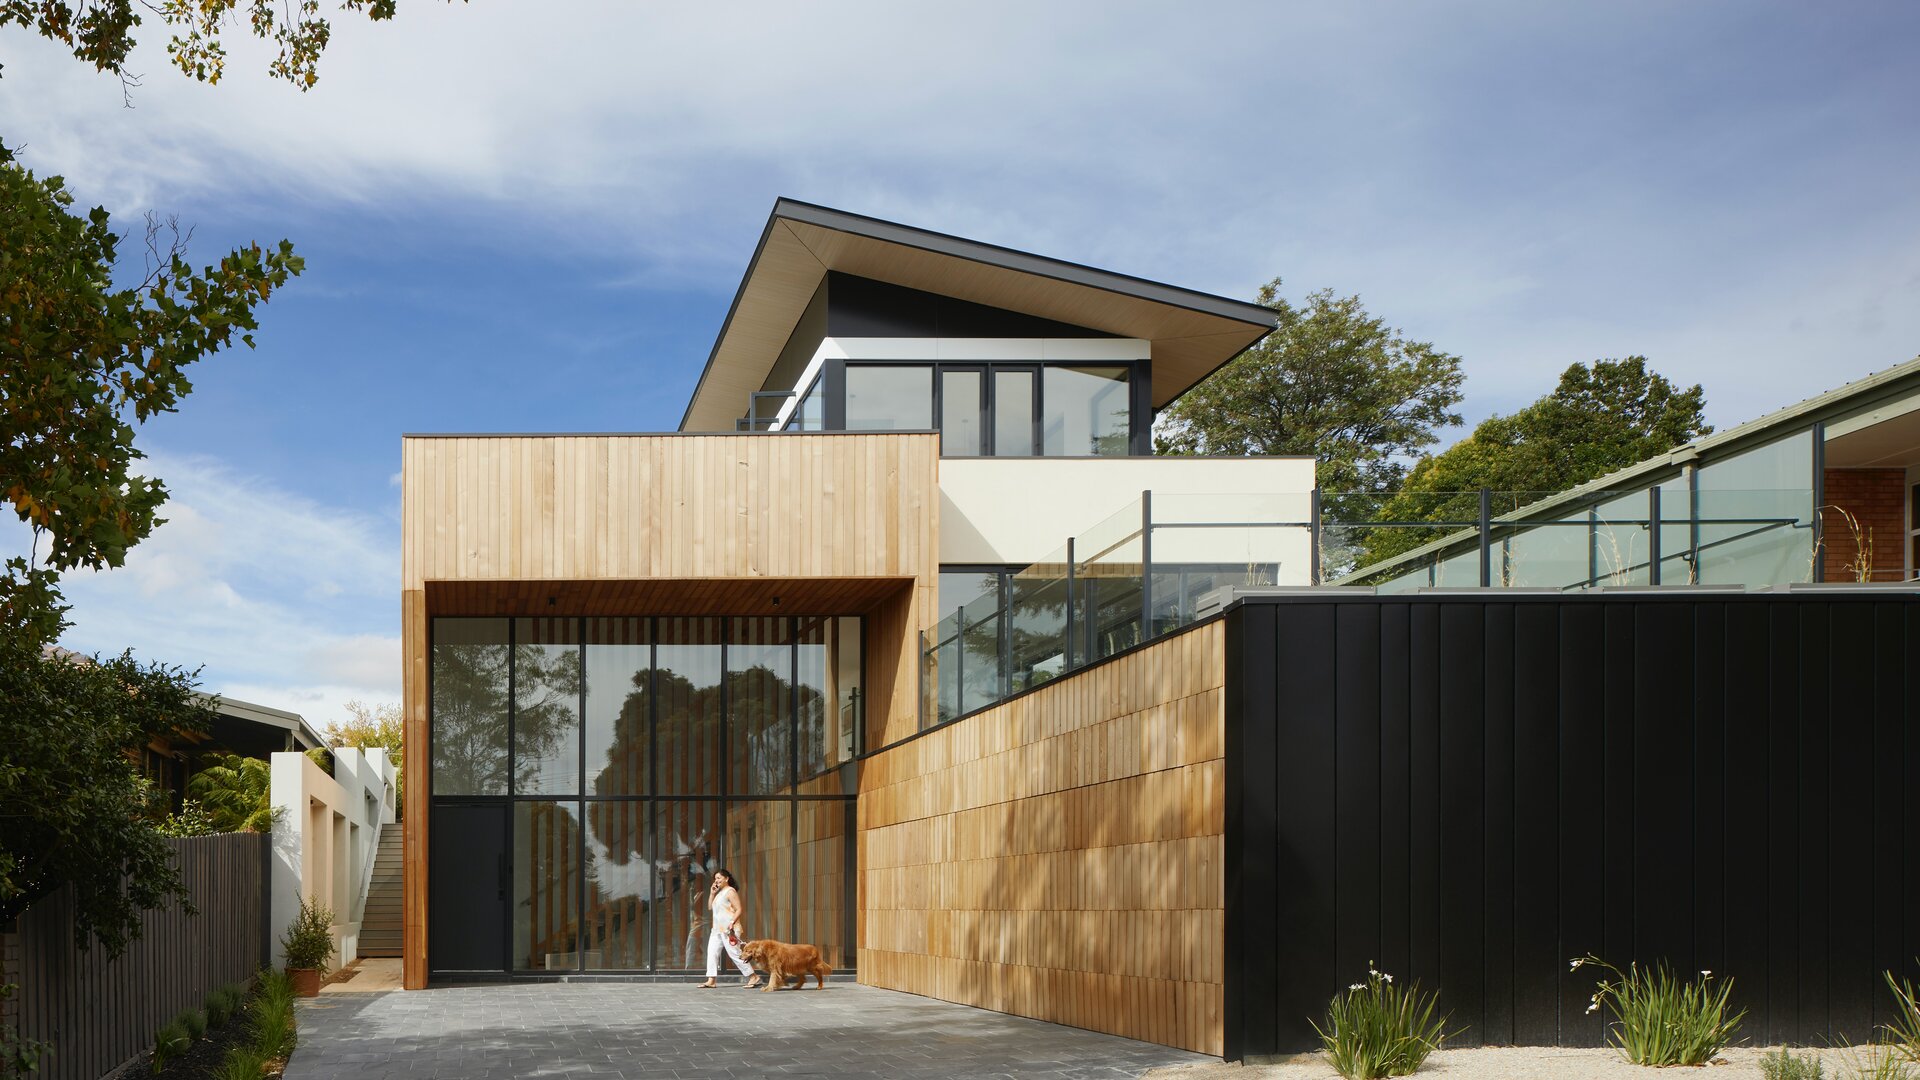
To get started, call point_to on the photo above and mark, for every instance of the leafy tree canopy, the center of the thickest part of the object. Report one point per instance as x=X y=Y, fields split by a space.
x=234 y=792
x=1331 y=381
x=101 y=32
x=375 y=725
x=1602 y=416
x=73 y=805
x=84 y=360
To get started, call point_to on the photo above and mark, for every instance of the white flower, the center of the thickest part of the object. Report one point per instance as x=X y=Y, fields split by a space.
x=1594 y=1008
x=1358 y=986
x=1387 y=977
x=1576 y=965
x=1706 y=974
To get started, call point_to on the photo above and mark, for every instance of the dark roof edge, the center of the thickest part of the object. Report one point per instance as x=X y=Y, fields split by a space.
x=1025 y=262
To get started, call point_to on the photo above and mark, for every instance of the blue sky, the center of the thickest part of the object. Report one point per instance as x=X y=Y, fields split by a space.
x=532 y=217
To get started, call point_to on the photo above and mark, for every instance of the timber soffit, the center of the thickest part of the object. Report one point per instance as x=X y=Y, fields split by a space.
x=1194 y=333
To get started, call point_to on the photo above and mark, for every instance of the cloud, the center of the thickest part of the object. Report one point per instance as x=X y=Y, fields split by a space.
x=284 y=600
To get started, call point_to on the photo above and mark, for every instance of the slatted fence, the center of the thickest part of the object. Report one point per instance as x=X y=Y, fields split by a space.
x=96 y=1013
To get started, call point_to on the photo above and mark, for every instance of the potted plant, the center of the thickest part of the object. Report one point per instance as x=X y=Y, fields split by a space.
x=308 y=945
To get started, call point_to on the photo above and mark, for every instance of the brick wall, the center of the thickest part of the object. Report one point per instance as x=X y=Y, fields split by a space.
x=1877 y=499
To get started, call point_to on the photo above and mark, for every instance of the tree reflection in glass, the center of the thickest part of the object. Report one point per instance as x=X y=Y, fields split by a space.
x=546 y=707
x=469 y=744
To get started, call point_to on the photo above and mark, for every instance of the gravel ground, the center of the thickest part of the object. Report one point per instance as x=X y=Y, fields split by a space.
x=1527 y=1063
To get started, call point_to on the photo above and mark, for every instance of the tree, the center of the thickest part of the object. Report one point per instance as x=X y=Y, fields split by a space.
x=235 y=792
x=82 y=358
x=1601 y=417
x=1331 y=381
x=375 y=725
x=101 y=32
x=74 y=808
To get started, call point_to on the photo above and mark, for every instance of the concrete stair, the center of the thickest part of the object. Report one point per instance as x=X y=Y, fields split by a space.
x=381 y=927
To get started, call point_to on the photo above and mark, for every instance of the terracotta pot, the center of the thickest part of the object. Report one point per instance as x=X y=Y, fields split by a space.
x=306 y=981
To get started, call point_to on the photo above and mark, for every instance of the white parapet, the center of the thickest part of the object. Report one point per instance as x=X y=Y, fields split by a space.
x=326 y=832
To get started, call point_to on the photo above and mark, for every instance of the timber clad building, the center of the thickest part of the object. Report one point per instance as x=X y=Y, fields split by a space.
x=908 y=629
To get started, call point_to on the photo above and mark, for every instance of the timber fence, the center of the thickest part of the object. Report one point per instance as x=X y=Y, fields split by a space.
x=98 y=1014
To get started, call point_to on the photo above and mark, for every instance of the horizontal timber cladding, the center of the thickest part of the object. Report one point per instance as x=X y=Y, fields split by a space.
x=569 y=525
x=1471 y=791
x=97 y=1013
x=1058 y=856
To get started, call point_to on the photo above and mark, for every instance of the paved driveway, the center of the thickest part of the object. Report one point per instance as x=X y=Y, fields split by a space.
x=672 y=1030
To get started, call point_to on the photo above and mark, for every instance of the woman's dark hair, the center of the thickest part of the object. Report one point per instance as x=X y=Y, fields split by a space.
x=731 y=880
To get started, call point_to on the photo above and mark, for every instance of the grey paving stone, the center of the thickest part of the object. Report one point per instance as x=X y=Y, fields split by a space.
x=629 y=1031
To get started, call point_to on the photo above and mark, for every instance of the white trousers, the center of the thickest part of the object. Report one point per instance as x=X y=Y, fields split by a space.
x=716 y=944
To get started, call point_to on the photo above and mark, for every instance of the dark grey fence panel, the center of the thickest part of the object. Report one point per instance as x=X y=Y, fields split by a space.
x=1474 y=789
x=98 y=1014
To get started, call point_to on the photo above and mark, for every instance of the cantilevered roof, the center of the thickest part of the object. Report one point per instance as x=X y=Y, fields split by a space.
x=1193 y=333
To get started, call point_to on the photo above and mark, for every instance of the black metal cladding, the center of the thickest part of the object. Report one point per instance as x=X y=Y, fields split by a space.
x=1471 y=791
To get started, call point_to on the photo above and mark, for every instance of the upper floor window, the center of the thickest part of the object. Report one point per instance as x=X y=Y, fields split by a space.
x=1003 y=410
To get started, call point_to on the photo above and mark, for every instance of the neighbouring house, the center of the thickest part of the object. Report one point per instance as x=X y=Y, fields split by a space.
x=907 y=628
x=238 y=727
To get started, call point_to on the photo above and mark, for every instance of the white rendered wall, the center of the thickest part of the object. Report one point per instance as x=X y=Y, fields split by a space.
x=1015 y=511
x=326 y=833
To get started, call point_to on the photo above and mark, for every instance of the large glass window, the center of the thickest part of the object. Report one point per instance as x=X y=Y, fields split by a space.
x=619 y=667
x=884 y=397
x=690 y=731
x=759 y=710
x=1055 y=410
x=1013 y=413
x=687 y=719
x=1087 y=411
x=962 y=409
x=470 y=707
x=622 y=884
x=546 y=707
x=546 y=859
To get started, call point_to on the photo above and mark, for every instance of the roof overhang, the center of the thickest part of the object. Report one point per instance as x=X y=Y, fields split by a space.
x=1192 y=333
x=303 y=733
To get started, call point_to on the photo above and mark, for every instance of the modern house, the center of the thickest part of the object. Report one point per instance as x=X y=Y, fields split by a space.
x=907 y=628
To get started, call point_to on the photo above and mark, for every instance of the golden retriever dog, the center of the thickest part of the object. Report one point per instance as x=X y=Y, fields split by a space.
x=783 y=961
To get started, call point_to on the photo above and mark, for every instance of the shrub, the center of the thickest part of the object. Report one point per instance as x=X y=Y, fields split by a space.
x=271 y=1015
x=309 y=938
x=1660 y=1020
x=169 y=1042
x=195 y=1021
x=1903 y=1031
x=221 y=1004
x=1786 y=1065
x=241 y=1063
x=192 y=820
x=1376 y=1028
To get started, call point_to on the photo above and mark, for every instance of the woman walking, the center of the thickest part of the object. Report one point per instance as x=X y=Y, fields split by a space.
x=724 y=897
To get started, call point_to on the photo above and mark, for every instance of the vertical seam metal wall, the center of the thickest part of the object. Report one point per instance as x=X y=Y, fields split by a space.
x=1472 y=790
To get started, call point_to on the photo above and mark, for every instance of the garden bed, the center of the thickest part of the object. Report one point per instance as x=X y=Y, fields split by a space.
x=1532 y=1063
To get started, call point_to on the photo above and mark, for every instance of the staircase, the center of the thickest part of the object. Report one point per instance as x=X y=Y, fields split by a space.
x=380 y=928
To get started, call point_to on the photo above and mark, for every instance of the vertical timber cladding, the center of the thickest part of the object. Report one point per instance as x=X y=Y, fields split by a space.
x=720 y=508
x=1058 y=856
x=1472 y=791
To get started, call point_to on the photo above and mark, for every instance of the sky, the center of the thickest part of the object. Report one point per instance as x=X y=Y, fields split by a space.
x=532 y=217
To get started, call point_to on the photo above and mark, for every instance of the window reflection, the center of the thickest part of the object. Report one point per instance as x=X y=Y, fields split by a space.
x=1087 y=411
x=546 y=707
x=469 y=745
x=619 y=670
x=887 y=398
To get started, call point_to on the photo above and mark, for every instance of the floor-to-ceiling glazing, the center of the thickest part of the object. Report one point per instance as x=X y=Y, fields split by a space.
x=590 y=774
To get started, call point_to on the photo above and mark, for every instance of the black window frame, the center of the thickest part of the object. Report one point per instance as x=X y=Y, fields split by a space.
x=833 y=376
